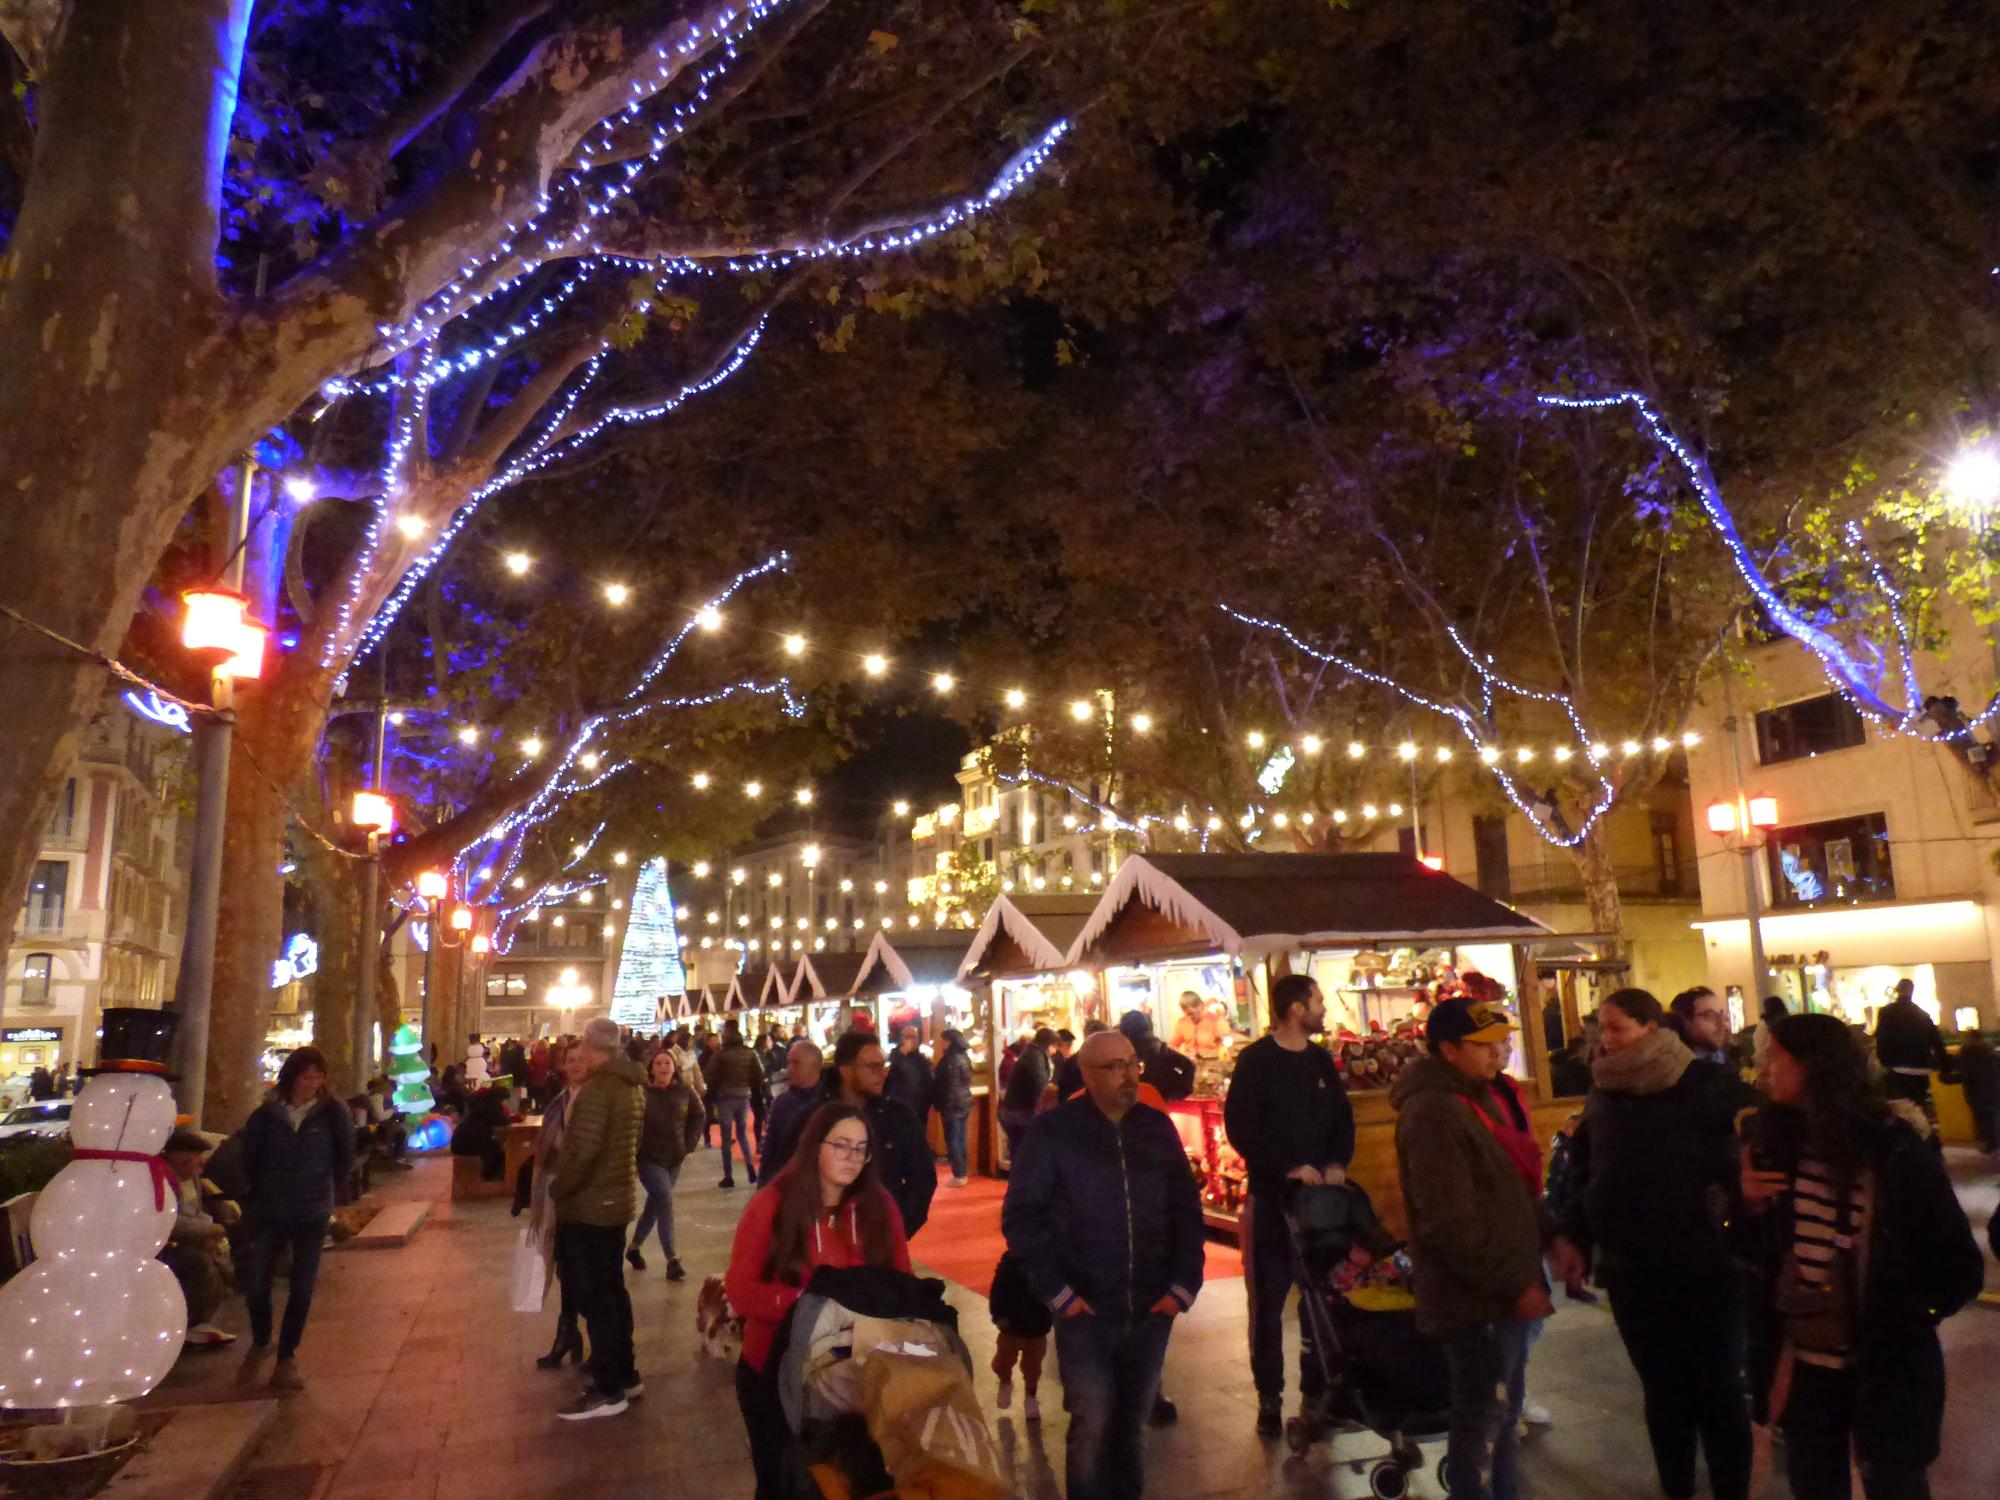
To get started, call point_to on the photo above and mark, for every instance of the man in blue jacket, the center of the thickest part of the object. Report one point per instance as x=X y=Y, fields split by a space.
x=1104 y=1220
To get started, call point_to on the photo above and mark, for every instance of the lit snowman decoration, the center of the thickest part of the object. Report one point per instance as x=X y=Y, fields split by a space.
x=96 y=1317
x=475 y=1062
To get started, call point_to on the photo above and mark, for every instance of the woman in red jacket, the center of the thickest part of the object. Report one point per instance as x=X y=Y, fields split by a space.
x=827 y=1207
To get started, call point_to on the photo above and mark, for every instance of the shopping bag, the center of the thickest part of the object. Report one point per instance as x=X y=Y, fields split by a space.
x=531 y=1273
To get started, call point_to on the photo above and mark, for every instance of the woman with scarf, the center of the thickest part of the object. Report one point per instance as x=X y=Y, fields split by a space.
x=1656 y=1162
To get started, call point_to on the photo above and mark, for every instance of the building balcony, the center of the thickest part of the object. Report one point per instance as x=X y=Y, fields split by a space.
x=1552 y=884
x=69 y=835
x=53 y=927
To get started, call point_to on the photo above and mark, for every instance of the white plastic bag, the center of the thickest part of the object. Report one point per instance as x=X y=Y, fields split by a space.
x=531 y=1273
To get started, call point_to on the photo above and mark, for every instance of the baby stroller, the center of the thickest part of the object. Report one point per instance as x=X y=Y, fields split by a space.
x=876 y=1385
x=1381 y=1374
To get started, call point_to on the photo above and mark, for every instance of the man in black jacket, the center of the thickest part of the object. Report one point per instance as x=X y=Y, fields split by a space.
x=1287 y=1115
x=1910 y=1048
x=902 y=1154
x=1033 y=1072
x=1103 y=1218
x=1171 y=1072
x=910 y=1075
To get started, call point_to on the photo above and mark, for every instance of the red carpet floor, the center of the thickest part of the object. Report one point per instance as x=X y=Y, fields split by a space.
x=961 y=1239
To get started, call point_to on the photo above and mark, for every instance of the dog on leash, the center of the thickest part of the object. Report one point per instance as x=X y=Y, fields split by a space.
x=717 y=1327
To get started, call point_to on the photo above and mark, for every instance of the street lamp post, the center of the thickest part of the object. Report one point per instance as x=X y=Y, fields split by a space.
x=217 y=623
x=1743 y=823
x=376 y=815
x=432 y=887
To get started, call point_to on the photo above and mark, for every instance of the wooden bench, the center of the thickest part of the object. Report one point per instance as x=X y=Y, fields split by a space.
x=393 y=1226
x=467 y=1181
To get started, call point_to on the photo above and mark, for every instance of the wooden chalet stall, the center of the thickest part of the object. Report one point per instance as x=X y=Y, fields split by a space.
x=823 y=995
x=1383 y=934
x=911 y=979
x=1018 y=967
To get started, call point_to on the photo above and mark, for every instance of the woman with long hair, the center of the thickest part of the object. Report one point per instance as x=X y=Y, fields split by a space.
x=1863 y=1250
x=568 y=1079
x=670 y=1129
x=1655 y=1158
x=826 y=1207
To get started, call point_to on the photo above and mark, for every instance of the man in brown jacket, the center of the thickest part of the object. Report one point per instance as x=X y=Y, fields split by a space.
x=1471 y=1174
x=596 y=1197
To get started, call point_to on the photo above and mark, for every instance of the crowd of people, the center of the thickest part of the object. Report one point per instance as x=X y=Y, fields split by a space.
x=1775 y=1254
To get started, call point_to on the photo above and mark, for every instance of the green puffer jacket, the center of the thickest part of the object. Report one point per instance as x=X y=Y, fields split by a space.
x=597 y=1181
x=1476 y=1232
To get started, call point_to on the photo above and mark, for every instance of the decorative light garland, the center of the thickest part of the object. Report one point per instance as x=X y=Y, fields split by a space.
x=1856 y=681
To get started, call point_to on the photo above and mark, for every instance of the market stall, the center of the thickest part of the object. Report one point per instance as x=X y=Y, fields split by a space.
x=911 y=979
x=1196 y=941
x=1019 y=957
x=822 y=994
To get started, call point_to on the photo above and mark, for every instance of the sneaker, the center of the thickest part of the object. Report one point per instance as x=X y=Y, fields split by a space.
x=634 y=1259
x=675 y=1270
x=592 y=1404
x=1270 y=1418
x=1537 y=1415
x=957 y=1182
x=285 y=1376
x=727 y=1182
x=750 y=1175
x=1164 y=1413
x=1005 y=1400
x=1031 y=1410
x=634 y=1388
x=207 y=1336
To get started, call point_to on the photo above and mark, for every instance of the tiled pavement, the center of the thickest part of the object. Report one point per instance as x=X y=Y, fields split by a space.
x=421 y=1386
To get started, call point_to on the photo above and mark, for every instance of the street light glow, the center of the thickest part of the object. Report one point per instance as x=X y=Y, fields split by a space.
x=617 y=594
x=795 y=645
x=518 y=563
x=874 y=664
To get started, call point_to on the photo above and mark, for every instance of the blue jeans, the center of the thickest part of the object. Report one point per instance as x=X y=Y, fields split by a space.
x=733 y=1110
x=1110 y=1375
x=259 y=1259
x=954 y=1141
x=1489 y=1383
x=658 y=1181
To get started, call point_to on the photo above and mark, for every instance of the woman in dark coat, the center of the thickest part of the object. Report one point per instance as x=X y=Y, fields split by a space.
x=1861 y=1251
x=670 y=1129
x=954 y=1100
x=1656 y=1161
x=297 y=1148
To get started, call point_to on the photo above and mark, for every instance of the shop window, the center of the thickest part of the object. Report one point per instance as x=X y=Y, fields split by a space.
x=37 y=970
x=1667 y=852
x=1812 y=726
x=48 y=896
x=1489 y=855
x=1840 y=861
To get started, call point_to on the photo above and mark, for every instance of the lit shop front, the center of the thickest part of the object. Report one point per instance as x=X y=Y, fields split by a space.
x=26 y=1048
x=1197 y=940
x=1846 y=960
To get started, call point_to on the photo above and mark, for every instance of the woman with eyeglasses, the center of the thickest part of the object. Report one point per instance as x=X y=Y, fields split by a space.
x=825 y=1207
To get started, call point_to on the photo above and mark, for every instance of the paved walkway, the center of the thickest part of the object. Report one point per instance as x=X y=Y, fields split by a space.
x=421 y=1386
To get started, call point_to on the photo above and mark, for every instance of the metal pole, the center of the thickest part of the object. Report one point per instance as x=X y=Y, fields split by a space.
x=371 y=943
x=195 y=985
x=1753 y=891
x=1416 y=810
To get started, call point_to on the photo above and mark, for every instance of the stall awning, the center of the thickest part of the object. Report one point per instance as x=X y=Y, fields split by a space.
x=826 y=976
x=1257 y=904
x=1026 y=935
x=910 y=959
x=747 y=988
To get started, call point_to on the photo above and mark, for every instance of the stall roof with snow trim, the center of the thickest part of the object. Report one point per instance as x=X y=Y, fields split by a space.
x=1025 y=935
x=910 y=959
x=1257 y=904
x=747 y=988
x=826 y=976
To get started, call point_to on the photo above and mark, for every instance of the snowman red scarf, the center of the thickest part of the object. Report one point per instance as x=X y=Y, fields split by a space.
x=163 y=1175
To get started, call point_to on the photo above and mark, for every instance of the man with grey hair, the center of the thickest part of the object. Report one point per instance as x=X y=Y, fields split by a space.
x=596 y=1198
x=804 y=1064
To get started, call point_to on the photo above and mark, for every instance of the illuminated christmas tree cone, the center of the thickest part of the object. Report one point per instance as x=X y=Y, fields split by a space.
x=406 y=1066
x=95 y=1318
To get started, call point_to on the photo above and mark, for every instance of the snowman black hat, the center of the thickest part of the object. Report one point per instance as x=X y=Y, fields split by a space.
x=135 y=1040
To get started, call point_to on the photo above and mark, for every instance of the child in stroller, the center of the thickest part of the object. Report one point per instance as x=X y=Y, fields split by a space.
x=1381 y=1374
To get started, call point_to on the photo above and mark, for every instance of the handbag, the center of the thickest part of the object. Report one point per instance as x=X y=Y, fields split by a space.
x=1820 y=1316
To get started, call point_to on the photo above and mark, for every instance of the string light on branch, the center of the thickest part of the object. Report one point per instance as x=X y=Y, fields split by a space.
x=518 y=563
x=943 y=682
x=617 y=595
x=701 y=781
x=795 y=645
x=1141 y=723
x=468 y=735
x=531 y=746
x=709 y=618
x=1081 y=711
x=1015 y=698
x=875 y=664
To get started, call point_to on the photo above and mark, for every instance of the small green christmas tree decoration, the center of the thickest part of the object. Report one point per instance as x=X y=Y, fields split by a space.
x=406 y=1066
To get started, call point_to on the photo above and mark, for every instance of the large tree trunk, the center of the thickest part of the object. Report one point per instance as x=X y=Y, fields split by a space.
x=107 y=291
x=335 y=885
x=1600 y=889
x=277 y=734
